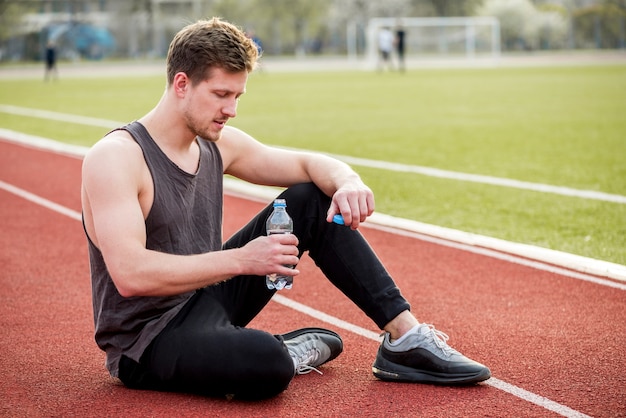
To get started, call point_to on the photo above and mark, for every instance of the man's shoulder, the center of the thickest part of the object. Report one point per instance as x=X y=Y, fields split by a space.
x=235 y=144
x=118 y=140
x=115 y=148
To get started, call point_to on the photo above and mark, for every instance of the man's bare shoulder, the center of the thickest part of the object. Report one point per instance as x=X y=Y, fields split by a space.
x=231 y=134
x=236 y=144
x=119 y=140
x=112 y=159
x=115 y=146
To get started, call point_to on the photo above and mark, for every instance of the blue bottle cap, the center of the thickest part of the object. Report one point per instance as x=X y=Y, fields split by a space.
x=338 y=219
x=278 y=203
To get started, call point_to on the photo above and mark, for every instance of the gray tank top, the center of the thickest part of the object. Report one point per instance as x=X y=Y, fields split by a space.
x=185 y=218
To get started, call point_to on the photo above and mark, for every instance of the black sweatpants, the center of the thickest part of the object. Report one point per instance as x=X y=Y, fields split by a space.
x=207 y=349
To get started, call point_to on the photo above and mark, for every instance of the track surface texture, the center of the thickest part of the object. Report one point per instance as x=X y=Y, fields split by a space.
x=557 y=338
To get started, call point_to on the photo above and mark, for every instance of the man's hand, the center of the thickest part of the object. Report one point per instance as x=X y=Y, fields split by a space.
x=354 y=201
x=271 y=254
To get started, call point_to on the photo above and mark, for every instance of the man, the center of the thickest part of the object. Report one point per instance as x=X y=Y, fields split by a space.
x=400 y=46
x=385 y=47
x=171 y=302
x=51 y=61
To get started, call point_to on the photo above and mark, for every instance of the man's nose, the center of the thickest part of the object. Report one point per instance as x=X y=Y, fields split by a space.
x=230 y=109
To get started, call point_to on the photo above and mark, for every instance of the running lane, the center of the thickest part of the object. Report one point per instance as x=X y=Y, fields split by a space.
x=554 y=336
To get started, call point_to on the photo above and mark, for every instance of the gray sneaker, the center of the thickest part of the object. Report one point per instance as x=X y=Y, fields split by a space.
x=312 y=347
x=425 y=357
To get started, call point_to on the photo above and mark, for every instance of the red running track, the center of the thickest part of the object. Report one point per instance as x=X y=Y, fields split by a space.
x=555 y=344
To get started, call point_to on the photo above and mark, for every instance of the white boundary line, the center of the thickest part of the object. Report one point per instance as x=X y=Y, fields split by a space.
x=479 y=178
x=383 y=165
x=494 y=382
x=399 y=225
x=61 y=117
x=41 y=201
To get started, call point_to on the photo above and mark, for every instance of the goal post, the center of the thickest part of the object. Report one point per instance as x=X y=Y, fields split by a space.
x=466 y=37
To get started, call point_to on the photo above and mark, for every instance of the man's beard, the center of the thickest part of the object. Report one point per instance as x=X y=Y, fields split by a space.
x=210 y=136
x=202 y=132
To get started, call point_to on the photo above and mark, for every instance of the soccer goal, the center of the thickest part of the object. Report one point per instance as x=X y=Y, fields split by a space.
x=439 y=37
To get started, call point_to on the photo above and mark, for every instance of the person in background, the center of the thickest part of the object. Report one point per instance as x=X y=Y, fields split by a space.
x=385 y=48
x=400 y=47
x=172 y=302
x=51 y=62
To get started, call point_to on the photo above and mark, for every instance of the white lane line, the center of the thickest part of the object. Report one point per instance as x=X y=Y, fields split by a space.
x=538 y=265
x=536 y=399
x=382 y=165
x=40 y=201
x=478 y=178
x=314 y=313
x=61 y=117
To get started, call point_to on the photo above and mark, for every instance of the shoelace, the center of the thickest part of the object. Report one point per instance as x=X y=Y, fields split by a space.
x=304 y=359
x=305 y=369
x=440 y=339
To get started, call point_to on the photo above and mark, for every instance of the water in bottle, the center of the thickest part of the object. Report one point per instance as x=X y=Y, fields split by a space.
x=279 y=222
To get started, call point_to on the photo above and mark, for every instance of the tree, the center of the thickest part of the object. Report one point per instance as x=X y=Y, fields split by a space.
x=601 y=25
x=522 y=25
x=286 y=24
x=450 y=8
x=11 y=13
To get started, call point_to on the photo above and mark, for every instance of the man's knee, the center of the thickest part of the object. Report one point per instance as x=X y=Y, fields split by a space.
x=271 y=372
x=305 y=197
x=304 y=192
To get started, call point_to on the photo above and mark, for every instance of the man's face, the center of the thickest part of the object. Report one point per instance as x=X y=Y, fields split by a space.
x=211 y=103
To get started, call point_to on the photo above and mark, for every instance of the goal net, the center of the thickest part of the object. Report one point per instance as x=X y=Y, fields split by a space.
x=439 y=37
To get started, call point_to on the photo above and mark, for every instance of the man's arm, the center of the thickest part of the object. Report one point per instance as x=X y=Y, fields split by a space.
x=250 y=160
x=117 y=195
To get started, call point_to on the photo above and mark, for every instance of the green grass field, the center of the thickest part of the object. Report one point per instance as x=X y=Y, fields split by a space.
x=560 y=126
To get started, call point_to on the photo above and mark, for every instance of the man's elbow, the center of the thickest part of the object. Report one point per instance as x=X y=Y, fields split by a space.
x=126 y=289
x=127 y=282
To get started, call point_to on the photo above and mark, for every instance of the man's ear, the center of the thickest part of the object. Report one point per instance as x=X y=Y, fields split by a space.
x=180 y=84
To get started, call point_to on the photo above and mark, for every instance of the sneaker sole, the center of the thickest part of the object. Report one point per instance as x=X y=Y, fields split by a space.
x=407 y=374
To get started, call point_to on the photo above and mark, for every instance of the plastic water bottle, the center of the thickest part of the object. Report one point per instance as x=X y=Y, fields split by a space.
x=279 y=222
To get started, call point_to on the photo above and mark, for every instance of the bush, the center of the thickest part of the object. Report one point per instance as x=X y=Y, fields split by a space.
x=522 y=26
x=600 y=27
